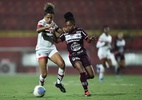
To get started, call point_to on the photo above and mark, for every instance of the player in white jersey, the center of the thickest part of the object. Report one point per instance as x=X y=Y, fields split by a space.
x=104 y=46
x=45 y=48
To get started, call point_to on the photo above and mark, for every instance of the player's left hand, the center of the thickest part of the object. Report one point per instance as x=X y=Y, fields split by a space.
x=92 y=38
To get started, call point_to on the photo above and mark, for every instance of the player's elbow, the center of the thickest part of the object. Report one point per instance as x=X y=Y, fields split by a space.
x=37 y=31
x=57 y=40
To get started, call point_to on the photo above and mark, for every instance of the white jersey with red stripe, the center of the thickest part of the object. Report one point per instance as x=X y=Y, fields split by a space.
x=104 y=45
x=45 y=38
x=45 y=44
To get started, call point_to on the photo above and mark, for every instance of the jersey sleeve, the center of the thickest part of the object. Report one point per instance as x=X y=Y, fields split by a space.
x=124 y=42
x=110 y=40
x=84 y=34
x=62 y=37
x=100 y=42
x=55 y=26
x=40 y=23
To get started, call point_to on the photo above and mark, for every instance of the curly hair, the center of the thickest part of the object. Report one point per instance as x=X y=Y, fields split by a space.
x=49 y=8
x=69 y=17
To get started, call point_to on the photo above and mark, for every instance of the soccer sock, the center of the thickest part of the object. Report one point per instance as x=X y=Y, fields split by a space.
x=101 y=76
x=41 y=80
x=83 y=81
x=102 y=70
x=118 y=71
x=60 y=75
x=87 y=76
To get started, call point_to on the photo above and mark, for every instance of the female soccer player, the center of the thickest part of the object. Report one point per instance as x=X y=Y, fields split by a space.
x=45 y=48
x=77 y=53
x=119 y=48
x=104 y=46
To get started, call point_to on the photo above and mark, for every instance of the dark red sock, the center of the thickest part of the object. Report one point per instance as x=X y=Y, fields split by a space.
x=87 y=76
x=83 y=81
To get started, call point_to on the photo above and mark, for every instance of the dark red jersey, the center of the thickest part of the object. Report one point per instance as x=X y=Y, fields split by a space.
x=75 y=41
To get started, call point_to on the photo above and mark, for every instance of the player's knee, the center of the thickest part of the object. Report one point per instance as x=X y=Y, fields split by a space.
x=61 y=64
x=92 y=76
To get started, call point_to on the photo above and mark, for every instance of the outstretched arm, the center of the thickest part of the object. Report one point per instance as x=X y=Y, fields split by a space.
x=90 y=39
x=56 y=38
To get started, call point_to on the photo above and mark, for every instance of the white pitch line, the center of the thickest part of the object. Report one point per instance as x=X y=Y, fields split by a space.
x=122 y=84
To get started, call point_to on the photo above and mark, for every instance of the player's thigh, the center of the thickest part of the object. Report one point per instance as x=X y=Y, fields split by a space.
x=109 y=62
x=78 y=66
x=43 y=65
x=90 y=71
x=103 y=62
x=57 y=59
x=122 y=63
x=101 y=54
x=42 y=60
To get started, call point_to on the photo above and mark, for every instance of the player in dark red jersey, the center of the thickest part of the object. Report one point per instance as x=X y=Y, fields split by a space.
x=74 y=38
x=119 y=47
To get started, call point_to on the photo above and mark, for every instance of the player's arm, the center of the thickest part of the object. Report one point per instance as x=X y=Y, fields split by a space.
x=62 y=30
x=56 y=38
x=100 y=42
x=90 y=39
x=41 y=28
x=85 y=36
x=59 y=30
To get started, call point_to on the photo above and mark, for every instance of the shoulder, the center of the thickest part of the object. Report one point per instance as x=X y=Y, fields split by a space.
x=103 y=35
x=109 y=35
x=64 y=34
x=53 y=22
x=41 y=22
x=79 y=29
x=123 y=40
x=56 y=26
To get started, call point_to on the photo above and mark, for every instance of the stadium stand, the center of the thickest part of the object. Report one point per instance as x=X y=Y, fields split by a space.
x=91 y=15
x=94 y=13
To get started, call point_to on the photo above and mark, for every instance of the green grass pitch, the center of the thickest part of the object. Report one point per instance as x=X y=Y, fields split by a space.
x=20 y=87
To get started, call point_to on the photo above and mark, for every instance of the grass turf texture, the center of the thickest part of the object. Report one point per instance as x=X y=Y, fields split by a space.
x=20 y=87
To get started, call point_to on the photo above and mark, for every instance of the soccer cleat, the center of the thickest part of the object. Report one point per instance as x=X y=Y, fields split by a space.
x=87 y=94
x=101 y=79
x=61 y=87
x=41 y=83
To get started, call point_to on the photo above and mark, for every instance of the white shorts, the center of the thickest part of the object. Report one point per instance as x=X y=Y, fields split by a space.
x=45 y=53
x=104 y=54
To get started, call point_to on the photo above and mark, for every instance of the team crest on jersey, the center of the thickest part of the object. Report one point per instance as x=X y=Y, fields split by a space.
x=75 y=46
x=78 y=32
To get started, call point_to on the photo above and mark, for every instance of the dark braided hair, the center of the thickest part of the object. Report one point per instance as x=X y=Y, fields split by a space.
x=69 y=17
x=49 y=8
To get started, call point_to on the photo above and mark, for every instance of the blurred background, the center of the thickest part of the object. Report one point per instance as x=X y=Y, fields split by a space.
x=18 y=21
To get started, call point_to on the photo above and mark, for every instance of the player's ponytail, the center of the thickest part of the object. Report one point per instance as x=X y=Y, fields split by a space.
x=69 y=17
x=49 y=8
